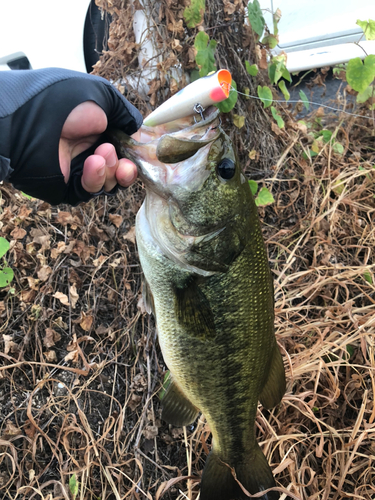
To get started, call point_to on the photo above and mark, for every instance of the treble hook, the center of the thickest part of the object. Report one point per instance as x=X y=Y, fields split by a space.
x=198 y=108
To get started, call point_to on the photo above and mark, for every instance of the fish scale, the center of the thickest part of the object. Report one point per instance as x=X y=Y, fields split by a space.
x=207 y=280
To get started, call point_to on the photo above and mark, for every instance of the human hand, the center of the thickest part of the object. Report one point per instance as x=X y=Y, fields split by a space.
x=82 y=129
x=57 y=151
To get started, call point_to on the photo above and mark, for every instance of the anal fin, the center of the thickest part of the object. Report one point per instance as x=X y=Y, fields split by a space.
x=176 y=408
x=274 y=388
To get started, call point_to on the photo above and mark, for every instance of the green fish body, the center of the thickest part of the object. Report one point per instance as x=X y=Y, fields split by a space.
x=209 y=286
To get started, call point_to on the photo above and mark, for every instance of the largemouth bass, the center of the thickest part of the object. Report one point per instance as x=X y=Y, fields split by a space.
x=207 y=280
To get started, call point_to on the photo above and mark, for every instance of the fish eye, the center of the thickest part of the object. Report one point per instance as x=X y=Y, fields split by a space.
x=226 y=168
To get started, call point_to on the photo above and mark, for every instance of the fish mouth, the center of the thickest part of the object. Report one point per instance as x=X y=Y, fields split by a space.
x=171 y=155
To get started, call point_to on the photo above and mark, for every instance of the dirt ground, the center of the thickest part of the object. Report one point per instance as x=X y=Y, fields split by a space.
x=80 y=365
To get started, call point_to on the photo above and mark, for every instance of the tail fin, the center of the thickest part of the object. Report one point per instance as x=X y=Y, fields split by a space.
x=255 y=475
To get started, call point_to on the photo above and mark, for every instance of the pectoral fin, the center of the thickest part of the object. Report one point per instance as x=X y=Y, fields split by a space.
x=193 y=310
x=148 y=298
x=176 y=408
x=274 y=388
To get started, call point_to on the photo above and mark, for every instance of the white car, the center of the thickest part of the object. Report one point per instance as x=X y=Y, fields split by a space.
x=318 y=33
x=71 y=34
x=37 y=34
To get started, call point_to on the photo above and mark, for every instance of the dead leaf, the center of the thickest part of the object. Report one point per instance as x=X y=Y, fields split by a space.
x=40 y=238
x=33 y=283
x=176 y=45
x=51 y=337
x=60 y=323
x=18 y=233
x=11 y=429
x=9 y=345
x=102 y=330
x=72 y=356
x=150 y=431
x=2 y=306
x=139 y=382
x=86 y=322
x=116 y=262
x=116 y=219
x=62 y=298
x=82 y=250
x=44 y=272
x=55 y=252
x=229 y=8
x=276 y=129
x=99 y=233
x=24 y=212
x=302 y=127
x=173 y=86
x=28 y=296
x=130 y=235
x=134 y=401
x=252 y=154
x=50 y=356
x=99 y=261
x=65 y=218
x=73 y=295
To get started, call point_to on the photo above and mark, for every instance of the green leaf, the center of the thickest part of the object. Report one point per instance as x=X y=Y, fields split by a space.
x=6 y=276
x=251 y=69
x=327 y=135
x=274 y=73
x=304 y=99
x=285 y=74
x=27 y=196
x=338 y=148
x=279 y=120
x=4 y=246
x=366 y=275
x=365 y=95
x=205 y=53
x=270 y=40
x=194 y=75
x=265 y=95
x=246 y=91
x=193 y=14
x=253 y=187
x=284 y=90
x=256 y=17
x=239 y=121
x=73 y=486
x=368 y=28
x=229 y=103
x=350 y=350
x=264 y=198
x=360 y=74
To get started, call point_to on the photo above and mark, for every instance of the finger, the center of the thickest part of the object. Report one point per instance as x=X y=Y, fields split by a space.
x=126 y=172
x=81 y=130
x=94 y=173
x=108 y=152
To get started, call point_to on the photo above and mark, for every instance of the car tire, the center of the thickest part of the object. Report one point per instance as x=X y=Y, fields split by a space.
x=95 y=36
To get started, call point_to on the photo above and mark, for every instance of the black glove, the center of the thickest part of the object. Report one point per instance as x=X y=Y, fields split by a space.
x=39 y=101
